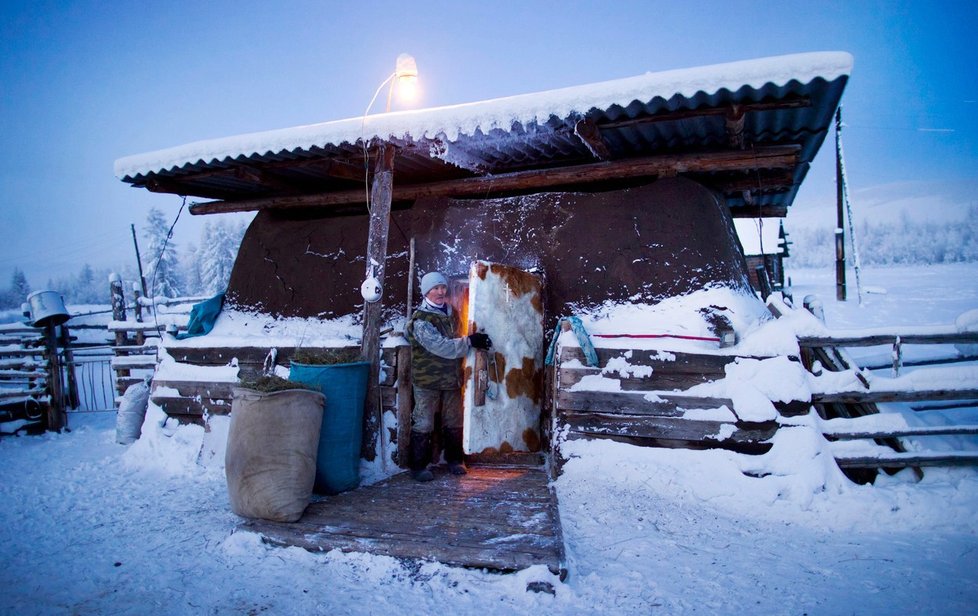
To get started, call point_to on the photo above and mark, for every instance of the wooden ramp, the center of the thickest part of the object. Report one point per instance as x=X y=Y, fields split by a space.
x=496 y=517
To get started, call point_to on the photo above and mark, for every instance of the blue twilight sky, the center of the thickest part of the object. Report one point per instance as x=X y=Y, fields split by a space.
x=83 y=83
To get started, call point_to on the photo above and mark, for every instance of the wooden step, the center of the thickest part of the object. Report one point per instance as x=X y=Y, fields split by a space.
x=908 y=459
x=668 y=428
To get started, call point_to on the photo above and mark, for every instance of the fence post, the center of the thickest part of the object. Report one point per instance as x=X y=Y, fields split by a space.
x=118 y=305
x=56 y=412
x=73 y=398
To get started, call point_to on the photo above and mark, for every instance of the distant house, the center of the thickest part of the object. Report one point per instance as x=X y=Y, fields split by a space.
x=621 y=191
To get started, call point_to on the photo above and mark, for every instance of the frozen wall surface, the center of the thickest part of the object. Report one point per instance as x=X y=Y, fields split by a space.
x=668 y=238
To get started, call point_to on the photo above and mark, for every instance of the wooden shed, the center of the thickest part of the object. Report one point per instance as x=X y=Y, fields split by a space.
x=622 y=191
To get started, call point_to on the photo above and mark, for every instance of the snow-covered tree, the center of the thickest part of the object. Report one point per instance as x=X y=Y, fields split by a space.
x=219 y=249
x=191 y=269
x=162 y=268
x=18 y=291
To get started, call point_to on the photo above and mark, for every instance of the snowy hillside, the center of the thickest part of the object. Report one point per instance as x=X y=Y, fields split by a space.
x=148 y=529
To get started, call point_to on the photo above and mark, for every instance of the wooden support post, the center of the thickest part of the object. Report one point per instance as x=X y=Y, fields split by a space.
x=840 y=243
x=57 y=420
x=405 y=403
x=380 y=210
x=73 y=398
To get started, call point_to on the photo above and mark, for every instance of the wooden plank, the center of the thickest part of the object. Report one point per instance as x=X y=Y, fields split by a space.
x=255 y=356
x=655 y=381
x=910 y=459
x=634 y=403
x=497 y=518
x=769 y=157
x=895 y=432
x=134 y=362
x=178 y=405
x=669 y=428
x=860 y=397
x=22 y=393
x=192 y=389
x=664 y=361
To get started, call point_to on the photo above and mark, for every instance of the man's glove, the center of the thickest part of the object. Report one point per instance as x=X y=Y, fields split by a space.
x=480 y=341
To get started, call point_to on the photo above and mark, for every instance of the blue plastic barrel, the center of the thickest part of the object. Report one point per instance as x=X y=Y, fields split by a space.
x=345 y=388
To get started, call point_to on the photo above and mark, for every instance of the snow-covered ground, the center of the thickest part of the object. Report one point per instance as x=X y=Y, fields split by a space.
x=90 y=526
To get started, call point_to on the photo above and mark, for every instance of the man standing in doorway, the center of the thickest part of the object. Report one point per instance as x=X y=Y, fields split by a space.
x=436 y=363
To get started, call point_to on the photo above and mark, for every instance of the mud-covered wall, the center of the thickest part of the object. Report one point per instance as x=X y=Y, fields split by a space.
x=641 y=245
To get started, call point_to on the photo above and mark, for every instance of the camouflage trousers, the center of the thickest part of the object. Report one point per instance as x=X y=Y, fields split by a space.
x=428 y=402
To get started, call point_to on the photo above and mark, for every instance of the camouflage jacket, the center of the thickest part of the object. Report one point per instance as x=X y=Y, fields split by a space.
x=435 y=350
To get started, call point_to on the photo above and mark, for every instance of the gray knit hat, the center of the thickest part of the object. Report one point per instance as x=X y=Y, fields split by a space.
x=431 y=280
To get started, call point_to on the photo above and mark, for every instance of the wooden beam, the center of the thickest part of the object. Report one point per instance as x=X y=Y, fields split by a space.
x=766 y=182
x=772 y=157
x=588 y=132
x=734 y=125
x=764 y=211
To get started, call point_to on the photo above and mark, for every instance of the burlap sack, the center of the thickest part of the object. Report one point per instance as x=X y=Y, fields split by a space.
x=270 y=462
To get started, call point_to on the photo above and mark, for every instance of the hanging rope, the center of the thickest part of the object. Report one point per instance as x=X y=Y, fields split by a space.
x=156 y=268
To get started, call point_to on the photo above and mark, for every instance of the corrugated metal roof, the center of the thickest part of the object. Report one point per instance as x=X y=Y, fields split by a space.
x=789 y=100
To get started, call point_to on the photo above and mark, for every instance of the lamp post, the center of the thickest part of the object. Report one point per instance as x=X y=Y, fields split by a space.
x=379 y=205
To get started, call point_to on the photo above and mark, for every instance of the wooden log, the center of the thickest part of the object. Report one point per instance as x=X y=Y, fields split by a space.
x=877 y=339
x=855 y=433
x=770 y=157
x=910 y=459
x=861 y=397
x=377 y=233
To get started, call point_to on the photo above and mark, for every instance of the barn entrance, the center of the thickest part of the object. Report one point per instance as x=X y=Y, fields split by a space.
x=503 y=388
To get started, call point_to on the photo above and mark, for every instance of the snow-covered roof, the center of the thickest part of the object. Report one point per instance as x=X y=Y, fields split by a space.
x=664 y=112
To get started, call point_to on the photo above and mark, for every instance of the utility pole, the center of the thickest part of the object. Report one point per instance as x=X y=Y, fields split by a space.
x=840 y=245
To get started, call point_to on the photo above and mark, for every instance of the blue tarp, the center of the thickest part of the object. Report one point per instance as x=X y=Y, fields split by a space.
x=203 y=316
x=583 y=339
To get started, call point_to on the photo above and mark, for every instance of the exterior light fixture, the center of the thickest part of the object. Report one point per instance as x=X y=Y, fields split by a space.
x=405 y=76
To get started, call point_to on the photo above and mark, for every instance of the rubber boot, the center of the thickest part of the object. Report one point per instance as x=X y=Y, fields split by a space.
x=420 y=456
x=454 y=456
